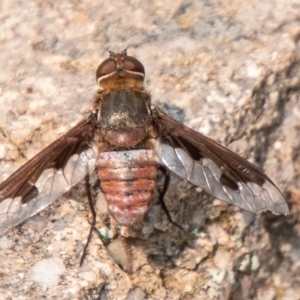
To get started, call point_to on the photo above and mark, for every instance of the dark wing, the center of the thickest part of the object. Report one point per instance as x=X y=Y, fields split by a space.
x=48 y=175
x=215 y=169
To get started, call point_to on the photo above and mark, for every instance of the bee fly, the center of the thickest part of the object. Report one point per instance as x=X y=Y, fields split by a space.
x=126 y=140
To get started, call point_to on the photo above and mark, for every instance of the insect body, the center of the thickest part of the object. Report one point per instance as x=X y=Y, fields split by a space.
x=126 y=139
x=127 y=163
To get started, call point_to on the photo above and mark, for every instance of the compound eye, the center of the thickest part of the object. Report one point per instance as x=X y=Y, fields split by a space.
x=134 y=65
x=106 y=67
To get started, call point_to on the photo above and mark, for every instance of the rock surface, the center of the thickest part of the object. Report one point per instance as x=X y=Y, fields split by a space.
x=228 y=69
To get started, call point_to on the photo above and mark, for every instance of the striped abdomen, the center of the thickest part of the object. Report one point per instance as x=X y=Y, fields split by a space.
x=128 y=179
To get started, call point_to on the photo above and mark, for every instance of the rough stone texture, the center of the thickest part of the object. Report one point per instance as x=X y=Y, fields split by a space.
x=228 y=69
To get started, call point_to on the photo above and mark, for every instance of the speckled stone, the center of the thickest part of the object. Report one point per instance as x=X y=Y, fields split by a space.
x=227 y=69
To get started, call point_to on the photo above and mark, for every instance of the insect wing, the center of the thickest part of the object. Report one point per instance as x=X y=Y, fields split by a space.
x=214 y=168
x=48 y=175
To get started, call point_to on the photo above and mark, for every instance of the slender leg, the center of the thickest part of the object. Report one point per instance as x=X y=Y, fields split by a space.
x=93 y=223
x=161 y=198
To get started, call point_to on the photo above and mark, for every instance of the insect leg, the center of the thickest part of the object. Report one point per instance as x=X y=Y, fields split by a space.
x=162 y=195
x=93 y=222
